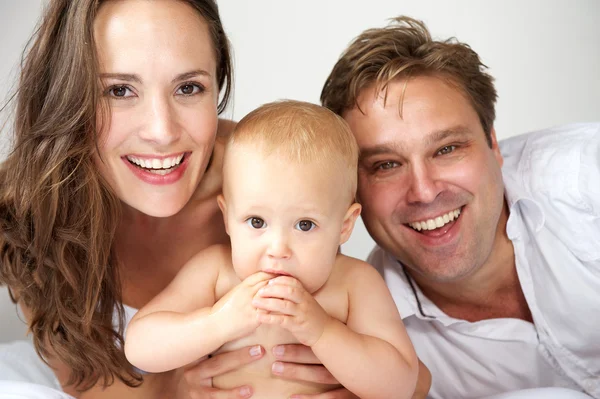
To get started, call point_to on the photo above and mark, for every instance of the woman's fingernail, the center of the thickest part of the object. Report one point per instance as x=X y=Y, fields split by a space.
x=277 y=368
x=245 y=392
x=256 y=351
x=278 y=350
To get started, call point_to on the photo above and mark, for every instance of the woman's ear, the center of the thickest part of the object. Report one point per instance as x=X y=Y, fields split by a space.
x=223 y=207
x=349 y=220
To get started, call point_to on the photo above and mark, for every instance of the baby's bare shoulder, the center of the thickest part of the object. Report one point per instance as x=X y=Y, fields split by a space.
x=352 y=271
x=212 y=258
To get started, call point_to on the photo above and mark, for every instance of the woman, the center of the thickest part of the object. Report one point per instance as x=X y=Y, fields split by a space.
x=112 y=185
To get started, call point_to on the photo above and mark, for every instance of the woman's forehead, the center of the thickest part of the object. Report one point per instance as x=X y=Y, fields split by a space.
x=141 y=34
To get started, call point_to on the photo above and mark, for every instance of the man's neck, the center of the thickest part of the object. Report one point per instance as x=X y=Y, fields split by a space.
x=491 y=291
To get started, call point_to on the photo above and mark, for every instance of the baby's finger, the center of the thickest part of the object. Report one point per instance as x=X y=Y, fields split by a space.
x=274 y=305
x=294 y=294
x=273 y=319
x=256 y=278
x=285 y=280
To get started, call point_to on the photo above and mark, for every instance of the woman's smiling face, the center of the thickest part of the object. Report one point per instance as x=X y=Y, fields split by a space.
x=158 y=72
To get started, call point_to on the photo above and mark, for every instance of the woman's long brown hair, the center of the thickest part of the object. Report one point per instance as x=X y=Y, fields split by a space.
x=57 y=216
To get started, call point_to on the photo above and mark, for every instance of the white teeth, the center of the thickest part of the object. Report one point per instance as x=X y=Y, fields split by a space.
x=156 y=164
x=437 y=222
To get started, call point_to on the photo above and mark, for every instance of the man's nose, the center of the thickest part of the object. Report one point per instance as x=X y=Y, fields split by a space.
x=423 y=184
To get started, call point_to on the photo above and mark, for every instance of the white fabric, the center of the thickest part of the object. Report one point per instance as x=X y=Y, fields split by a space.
x=27 y=390
x=552 y=183
x=545 y=393
x=19 y=362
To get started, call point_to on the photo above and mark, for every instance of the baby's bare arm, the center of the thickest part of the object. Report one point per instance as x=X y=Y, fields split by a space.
x=371 y=354
x=174 y=328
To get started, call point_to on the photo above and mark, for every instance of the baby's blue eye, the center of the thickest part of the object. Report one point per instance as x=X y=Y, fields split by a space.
x=256 y=223
x=305 y=225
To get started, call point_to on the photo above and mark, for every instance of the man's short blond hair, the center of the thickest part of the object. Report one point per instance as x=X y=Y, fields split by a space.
x=302 y=133
x=402 y=50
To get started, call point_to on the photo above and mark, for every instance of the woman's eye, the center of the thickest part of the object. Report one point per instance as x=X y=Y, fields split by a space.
x=305 y=225
x=189 y=89
x=446 y=149
x=119 y=92
x=256 y=223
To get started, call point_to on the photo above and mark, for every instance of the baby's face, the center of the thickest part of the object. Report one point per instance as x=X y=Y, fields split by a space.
x=283 y=217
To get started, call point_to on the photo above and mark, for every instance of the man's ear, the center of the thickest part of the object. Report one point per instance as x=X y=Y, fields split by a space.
x=223 y=207
x=496 y=148
x=349 y=221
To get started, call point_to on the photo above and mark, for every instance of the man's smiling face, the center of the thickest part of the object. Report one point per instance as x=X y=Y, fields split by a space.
x=429 y=183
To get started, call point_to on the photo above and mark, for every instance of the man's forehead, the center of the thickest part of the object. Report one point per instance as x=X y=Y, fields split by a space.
x=422 y=90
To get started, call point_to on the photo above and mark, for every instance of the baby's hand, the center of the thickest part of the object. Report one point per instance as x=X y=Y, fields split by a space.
x=289 y=305
x=240 y=317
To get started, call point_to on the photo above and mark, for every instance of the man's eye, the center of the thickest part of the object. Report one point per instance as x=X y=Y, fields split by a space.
x=119 y=92
x=189 y=89
x=256 y=223
x=305 y=225
x=446 y=149
x=386 y=165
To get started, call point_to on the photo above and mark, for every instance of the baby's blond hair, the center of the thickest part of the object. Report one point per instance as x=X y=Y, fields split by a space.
x=300 y=132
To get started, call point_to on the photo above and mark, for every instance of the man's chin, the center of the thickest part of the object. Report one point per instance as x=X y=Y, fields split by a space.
x=440 y=272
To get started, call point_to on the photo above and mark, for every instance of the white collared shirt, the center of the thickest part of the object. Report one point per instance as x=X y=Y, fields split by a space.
x=552 y=185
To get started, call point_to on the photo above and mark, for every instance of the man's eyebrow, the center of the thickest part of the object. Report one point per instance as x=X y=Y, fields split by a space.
x=432 y=138
x=380 y=149
x=444 y=134
x=127 y=77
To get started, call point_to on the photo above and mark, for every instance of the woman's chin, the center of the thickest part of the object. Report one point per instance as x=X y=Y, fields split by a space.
x=159 y=207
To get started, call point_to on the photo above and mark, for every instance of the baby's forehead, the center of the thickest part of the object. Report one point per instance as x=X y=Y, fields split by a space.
x=255 y=165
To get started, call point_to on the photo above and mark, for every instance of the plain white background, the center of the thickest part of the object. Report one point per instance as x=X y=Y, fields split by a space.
x=544 y=54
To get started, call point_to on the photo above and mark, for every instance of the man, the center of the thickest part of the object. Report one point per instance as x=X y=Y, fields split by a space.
x=492 y=251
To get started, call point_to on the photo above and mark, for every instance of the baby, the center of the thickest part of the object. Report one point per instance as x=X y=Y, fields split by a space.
x=288 y=204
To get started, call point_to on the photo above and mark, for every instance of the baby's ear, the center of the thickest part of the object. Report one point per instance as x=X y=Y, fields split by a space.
x=349 y=220
x=223 y=207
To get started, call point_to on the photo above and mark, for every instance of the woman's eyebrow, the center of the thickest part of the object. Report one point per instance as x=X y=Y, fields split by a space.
x=127 y=77
x=191 y=74
x=131 y=77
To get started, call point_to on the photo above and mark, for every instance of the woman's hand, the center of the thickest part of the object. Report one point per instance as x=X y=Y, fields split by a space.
x=298 y=362
x=195 y=381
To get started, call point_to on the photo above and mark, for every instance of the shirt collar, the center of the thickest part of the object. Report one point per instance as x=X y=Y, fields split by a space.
x=523 y=210
x=409 y=298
